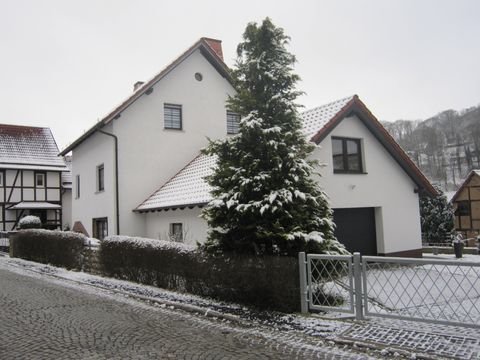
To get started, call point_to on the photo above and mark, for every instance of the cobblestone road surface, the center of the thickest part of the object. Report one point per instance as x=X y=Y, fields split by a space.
x=46 y=319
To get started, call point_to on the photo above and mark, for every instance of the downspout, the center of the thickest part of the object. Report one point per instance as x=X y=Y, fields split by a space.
x=117 y=207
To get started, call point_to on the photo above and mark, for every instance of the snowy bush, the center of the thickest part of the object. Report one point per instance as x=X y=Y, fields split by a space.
x=54 y=247
x=30 y=222
x=265 y=282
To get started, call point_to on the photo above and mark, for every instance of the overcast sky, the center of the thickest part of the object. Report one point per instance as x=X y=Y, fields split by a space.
x=65 y=64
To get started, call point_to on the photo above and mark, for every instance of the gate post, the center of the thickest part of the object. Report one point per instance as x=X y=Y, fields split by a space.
x=303 y=283
x=357 y=273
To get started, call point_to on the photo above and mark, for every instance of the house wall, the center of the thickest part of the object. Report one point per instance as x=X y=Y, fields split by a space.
x=194 y=228
x=384 y=186
x=149 y=155
x=19 y=185
x=144 y=143
x=97 y=149
x=67 y=208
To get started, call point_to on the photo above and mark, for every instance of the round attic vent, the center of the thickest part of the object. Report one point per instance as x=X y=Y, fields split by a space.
x=198 y=76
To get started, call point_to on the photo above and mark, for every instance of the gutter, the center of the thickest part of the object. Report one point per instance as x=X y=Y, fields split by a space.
x=117 y=206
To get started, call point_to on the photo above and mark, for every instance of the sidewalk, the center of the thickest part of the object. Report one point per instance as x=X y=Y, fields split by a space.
x=377 y=337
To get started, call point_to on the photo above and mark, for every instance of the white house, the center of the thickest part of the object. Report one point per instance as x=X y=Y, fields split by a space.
x=148 y=148
x=30 y=176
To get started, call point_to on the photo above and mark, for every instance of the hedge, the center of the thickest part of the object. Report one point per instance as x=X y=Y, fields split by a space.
x=265 y=282
x=59 y=248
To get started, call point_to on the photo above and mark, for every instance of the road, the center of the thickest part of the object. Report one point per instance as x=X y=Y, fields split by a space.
x=43 y=318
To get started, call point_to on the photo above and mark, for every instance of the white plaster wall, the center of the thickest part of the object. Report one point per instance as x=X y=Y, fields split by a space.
x=97 y=149
x=149 y=155
x=194 y=227
x=385 y=186
x=67 y=208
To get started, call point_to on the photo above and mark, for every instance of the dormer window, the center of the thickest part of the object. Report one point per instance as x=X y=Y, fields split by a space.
x=347 y=155
x=233 y=121
x=172 y=116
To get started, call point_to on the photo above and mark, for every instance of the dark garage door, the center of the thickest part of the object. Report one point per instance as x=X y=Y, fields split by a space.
x=356 y=229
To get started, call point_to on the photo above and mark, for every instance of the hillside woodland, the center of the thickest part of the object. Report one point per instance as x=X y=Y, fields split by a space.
x=446 y=146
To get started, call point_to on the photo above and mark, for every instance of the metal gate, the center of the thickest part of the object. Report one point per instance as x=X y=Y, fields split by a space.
x=438 y=291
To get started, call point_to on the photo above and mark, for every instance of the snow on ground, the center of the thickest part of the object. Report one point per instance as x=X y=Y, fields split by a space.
x=380 y=337
x=310 y=325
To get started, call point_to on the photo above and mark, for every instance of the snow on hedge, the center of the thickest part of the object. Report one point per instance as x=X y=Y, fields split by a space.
x=29 y=221
x=140 y=242
x=64 y=235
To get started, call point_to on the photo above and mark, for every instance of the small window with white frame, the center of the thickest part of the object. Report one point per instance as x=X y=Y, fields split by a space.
x=176 y=232
x=40 y=180
x=233 y=122
x=172 y=116
x=100 y=178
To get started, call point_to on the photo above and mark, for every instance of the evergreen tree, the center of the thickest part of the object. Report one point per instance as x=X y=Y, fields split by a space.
x=265 y=200
x=437 y=218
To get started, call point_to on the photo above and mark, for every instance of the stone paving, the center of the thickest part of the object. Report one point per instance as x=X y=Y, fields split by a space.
x=42 y=319
x=429 y=342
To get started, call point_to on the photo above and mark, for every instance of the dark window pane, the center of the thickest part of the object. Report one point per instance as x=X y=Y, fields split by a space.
x=233 y=121
x=172 y=115
x=347 y=155
x=101 y=180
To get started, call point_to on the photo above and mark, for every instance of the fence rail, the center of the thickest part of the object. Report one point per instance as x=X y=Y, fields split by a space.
x=439 y=291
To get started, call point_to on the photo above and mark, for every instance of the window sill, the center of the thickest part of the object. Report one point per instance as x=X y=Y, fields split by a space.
x=99 y=192
x=173 y=129
x=349 y=173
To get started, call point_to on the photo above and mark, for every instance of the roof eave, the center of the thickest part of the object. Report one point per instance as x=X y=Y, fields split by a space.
x=171 y=207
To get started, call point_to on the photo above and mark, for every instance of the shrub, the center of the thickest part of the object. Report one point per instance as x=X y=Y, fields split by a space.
x=30 y=222
x=266 y=282
x=58 y=248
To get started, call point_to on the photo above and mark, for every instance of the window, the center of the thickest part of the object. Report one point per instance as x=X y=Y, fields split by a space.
x=100 y=178
x=233 y=121
x=39 y=180
x=100 y=228
x=176 y=232
x=463 y=208
x=77 y=186
x=347 y=155
x=172 y=116
x=1 y=178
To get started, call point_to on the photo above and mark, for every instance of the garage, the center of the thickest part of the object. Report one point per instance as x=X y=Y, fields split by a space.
x=355 y=228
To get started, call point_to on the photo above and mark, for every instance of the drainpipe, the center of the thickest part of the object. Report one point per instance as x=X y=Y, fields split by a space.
x=115 y=139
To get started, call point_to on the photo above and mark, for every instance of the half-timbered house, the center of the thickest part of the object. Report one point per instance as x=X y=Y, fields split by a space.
x=466 y=203
x=30 y=176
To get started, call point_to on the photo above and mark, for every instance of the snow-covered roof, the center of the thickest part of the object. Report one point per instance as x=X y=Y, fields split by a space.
x=29 y=205
x=315 y=119
x=29 y=147
x=186 y=188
